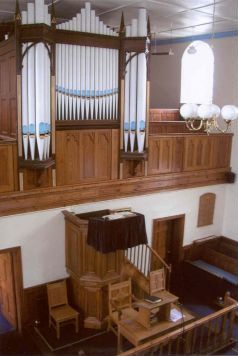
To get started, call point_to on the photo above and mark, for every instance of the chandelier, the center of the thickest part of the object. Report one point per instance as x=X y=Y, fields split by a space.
x=206 y=116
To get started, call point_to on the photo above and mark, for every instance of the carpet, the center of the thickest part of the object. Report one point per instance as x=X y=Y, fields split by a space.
x=68 y=337
x=5 y=326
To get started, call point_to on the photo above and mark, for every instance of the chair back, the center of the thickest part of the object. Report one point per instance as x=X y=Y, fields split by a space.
x=157 y=280
x=57 y=294
x=120 y=296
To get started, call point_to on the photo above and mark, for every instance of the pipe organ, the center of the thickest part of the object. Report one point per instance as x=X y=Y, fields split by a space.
x=79 y=77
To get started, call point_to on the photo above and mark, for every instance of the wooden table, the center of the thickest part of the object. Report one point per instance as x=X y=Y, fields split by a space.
x=137 y=333
x=160 y=310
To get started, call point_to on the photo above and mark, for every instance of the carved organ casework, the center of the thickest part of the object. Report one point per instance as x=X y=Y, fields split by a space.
x=135 y=88
x=35 y=74
x=78 y=74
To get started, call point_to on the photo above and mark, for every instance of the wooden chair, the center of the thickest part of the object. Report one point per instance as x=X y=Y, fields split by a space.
x=59 y=309
x=157 y=281
x=120 y=304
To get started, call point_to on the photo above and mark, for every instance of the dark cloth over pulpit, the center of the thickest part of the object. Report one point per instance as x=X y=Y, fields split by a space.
x=111 y=235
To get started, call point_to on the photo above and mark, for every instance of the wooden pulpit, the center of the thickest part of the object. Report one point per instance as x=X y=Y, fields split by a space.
x=90 y=271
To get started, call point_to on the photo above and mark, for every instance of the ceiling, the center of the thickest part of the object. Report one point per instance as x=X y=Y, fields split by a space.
x=184 y=17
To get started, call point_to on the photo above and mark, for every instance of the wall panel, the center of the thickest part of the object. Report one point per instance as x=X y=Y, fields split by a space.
x=8 y=94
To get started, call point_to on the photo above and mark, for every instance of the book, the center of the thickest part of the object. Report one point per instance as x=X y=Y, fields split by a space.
x=152 y=299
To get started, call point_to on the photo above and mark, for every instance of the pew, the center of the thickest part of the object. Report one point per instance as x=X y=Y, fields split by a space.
x=212 y=266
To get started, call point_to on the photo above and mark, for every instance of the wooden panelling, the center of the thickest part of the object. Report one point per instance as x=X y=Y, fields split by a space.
x=206 y=209
x=90 y=271
x=37 y=178
x=7 y=292
x=47 y=198
x=8 y=166
x=8 y=113
x=165 y=154
x=168 y=127
x=86 y=155
x=164 y=115
x=133 y=169
x=198 y=152
x=221 y=151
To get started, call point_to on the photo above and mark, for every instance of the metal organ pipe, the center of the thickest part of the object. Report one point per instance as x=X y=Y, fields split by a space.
x=135 y=89
x=87 y=80
x=83 y=65
x=141 y=84
x=25 y=117
x=127 y=96
x=31 y=86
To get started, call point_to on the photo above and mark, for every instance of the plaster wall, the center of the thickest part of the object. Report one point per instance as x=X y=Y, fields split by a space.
x=41 y=234
x=166 y=74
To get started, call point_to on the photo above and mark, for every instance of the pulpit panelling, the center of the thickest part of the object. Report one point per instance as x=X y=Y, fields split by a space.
x=90 y=271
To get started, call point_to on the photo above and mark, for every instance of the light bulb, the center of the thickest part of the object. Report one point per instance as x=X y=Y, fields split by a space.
x=205 y=111
x=229 y=112
x=188 y=111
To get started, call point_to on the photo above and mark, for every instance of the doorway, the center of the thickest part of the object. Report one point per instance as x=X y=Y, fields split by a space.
x=167 y=241
x=11 y=286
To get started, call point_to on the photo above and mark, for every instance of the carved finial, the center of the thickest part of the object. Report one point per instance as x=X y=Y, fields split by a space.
x=148 y=27
x=122 y=26
x=53 y=16
x=17 y=12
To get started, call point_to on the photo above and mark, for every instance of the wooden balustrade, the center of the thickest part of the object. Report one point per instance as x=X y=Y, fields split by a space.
x=203 y=336
x=143 y=259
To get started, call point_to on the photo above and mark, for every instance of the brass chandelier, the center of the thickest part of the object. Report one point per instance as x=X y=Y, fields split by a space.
x=206 y=116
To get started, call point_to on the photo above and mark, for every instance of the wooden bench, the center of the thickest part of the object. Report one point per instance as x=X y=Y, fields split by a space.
x=212 y=267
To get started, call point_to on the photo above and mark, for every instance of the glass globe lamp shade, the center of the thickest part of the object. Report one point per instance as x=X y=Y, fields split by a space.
x=229 y=112
x=205 y=111
x=215 y=111
x=188 y=111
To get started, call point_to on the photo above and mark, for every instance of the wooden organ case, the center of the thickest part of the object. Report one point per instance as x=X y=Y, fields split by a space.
x=90 y=271
x=67 y=105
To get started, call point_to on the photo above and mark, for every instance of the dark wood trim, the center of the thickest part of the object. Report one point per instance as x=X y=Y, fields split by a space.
x=86 y=39
x=134 y=44
x=45 y=33
x=62 y=125
x=36 y=33
x=49 y=198
x=133 y=156
x=36 y=164
x=18 y=281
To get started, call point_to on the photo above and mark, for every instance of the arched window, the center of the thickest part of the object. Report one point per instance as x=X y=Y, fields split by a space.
x=197 y=74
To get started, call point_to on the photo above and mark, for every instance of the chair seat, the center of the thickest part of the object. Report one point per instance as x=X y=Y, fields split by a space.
x=63 y=313
x=127 y=313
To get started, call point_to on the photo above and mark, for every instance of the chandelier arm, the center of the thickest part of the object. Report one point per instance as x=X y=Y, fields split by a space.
x=188 y=124
x=194 y=128
x=228 y=124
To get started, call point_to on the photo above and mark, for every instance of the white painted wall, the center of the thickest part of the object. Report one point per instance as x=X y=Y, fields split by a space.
x=41 y=234
x=230 y=220
x=165 y=93
x=166 y=74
